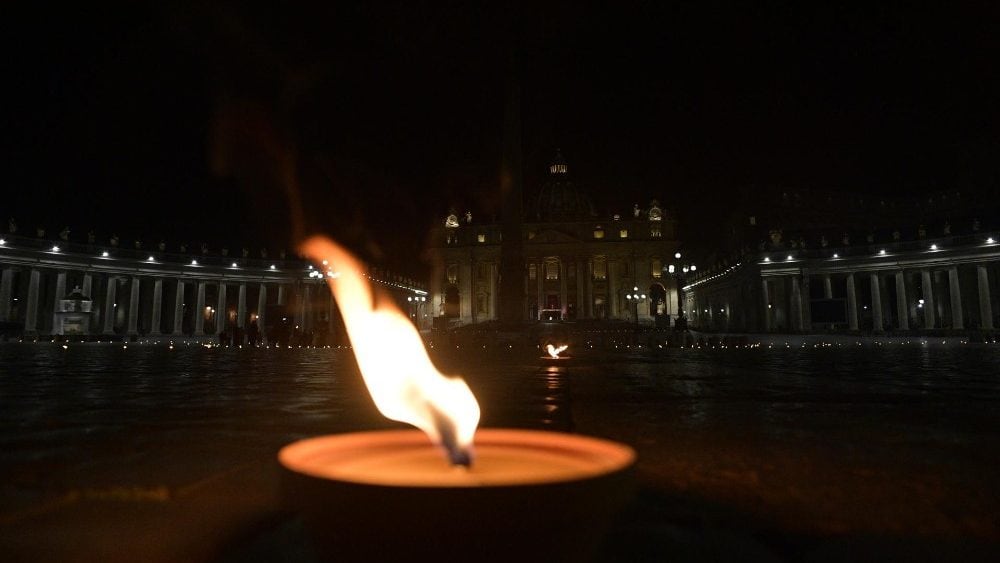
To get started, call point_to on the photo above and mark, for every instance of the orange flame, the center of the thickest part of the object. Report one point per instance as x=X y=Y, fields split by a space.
x=403 y=382
x=554 y=352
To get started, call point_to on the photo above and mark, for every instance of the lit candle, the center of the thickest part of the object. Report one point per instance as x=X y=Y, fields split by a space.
x=389 y=495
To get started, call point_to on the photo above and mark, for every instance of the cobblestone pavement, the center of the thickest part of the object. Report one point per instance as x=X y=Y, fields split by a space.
x=148 y=453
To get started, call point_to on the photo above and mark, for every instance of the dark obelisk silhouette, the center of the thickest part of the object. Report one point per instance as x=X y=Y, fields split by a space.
x=511 y=307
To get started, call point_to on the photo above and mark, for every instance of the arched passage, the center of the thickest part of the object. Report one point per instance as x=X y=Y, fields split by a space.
x=657 y=301
x=452 y=304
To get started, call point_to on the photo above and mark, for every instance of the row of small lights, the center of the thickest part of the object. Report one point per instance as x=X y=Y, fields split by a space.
x=314 y=273
x=881 y=252
x=710 y=278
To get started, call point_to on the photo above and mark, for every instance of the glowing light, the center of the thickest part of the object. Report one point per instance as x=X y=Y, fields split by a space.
x=151 y=259
x=3 y=241
x=835 y=255
x=234 y=264
x=789 y=257
x=104 y=254
x=881 y=252
x=273 y=267
x=555 y=351
x=403 y=382
x=933 y=247
x=677 y=255
x=194 y=262
x=990 y=240
x=55 y=249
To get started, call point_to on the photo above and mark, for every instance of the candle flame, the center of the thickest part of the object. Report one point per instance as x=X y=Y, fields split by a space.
x=403 y=382
x=554 y=352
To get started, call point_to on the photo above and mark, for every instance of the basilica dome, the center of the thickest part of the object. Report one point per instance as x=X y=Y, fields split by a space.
x=559 y=199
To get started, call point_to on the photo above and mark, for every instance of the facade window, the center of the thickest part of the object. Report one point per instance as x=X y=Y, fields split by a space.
x=656 y=268
x=531 y=235
x=452 y=273
x=551 y=269
x=571 y=271
x=600 y=268
x=532 y=271
x=654 y=231
x=598 y=233
x=623 y=233
x=481 y=237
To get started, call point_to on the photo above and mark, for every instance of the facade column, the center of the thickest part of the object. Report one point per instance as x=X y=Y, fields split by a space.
x=852 y=304
x=199 y=311
x=157 y=312
x=31 y=310
x=766 y=296
x=827 y=287
x=88 y=285
x=221 y=312
x=580 y=307
x=6 y=291
x=494 y=298
x=59 y=296
x=877 y=324
x=902 y=309
x=540 y=289
x=927 y=282
x=588 y=295
x=563 y=292
x=281 y=294
x=261 y=310
x=241 y=309
x=178 y=309
x=133 y=308
x=985 y=307
x=957 y=316
x=612 y=266
x=109 y=305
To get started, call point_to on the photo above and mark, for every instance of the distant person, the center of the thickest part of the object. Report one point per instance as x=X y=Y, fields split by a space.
x=252 y=333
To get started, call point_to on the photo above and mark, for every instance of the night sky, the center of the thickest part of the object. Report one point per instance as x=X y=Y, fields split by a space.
x=215 y=123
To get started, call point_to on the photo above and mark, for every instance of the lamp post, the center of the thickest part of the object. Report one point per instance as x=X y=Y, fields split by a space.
x=634 y=297
x=680 y=273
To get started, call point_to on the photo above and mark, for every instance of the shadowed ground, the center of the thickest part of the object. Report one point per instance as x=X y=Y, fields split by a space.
x=797 y=454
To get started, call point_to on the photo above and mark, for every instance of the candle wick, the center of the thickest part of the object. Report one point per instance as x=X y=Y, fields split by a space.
x=457 y=454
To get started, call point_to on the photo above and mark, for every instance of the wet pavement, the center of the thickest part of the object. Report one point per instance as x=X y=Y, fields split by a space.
x=110 y=453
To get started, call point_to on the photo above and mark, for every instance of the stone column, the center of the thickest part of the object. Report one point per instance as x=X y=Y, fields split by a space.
x=199 y=311
x=827 y=287
x=6 y=290
x=261 y=310
x=307 y=307
x=795 y=305
x=221 y=313
x=588 y=295
x=88 y=285
x=852 y=304
x=957 y=316
x=902 y=308
x=494 y=314
x=59 y=296
x=281 y=294
x=766 y=296
x=31 y=310
x=877 y=325
x=985 y=307
x=178 y=309
x=157 y=312
x=580 y=280
x=133 y=308
x=927 y=282
x=563 y=292
x=241 y=308
x=109 y=305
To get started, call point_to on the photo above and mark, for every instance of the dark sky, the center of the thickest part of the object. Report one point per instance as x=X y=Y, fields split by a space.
x=214 y=123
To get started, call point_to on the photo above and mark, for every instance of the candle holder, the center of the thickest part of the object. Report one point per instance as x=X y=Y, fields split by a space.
x=392 y=495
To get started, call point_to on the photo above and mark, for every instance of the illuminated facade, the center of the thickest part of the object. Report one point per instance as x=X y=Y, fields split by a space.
x=577 y=264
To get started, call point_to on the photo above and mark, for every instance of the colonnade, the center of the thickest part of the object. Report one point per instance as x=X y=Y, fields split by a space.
x=928 y=289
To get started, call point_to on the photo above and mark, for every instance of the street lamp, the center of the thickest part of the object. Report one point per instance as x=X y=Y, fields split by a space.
x=679 y=273
x=635 y=297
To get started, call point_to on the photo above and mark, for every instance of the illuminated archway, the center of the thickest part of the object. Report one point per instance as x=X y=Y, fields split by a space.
x=452 y=303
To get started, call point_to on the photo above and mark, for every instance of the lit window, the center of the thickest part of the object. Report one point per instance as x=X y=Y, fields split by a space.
x=598 y=233
x=452 y=273
x=600 y=268
x=656 y=267
x=531 y=235
x=481 y=237
x=532 y=272
x=654 y=231
x=551 y=269
x=623 y=233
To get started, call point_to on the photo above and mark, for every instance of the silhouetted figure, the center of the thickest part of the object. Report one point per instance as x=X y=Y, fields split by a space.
x=253 y=333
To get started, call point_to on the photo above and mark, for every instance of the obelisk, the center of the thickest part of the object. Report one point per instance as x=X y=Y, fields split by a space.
x=511 y=292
